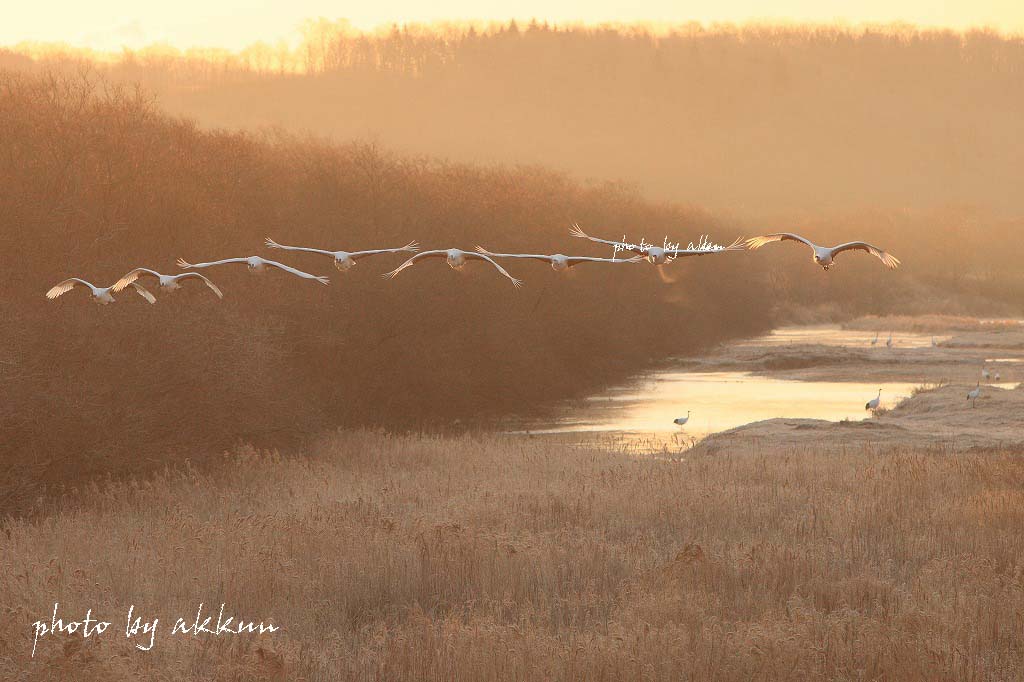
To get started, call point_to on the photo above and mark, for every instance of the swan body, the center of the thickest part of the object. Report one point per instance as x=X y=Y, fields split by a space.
x=100 y=295
x=256 y=264
x=166 y=282
x=344 y=260
x=559 y=262
x=825 y=255
x=874 y=402
x=456 y=259
x=973 y=395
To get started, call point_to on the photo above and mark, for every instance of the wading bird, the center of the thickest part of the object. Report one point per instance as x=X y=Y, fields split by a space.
x=256 y=264
x=656 y=254
x=166 y=282
x=888 y=342
x=935 y=344
x=873 y=403
x=997 y=377
x=456 y=258
x=345 y=260
x=874 y=341
x=985 y=374
x=100 y=295
x=973 y=395
x=558 y=261
x=681 y=421
x=824 y=255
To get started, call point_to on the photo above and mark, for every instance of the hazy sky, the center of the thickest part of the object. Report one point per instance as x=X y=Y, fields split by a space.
x=110 y=24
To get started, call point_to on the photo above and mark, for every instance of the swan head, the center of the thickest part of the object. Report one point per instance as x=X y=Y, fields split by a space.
x=343 y=261
x=823 y=258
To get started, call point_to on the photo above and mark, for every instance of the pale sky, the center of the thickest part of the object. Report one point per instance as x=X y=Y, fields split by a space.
x=111 y=24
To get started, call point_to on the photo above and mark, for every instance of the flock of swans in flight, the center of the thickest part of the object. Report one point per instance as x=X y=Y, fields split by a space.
x=823 y=256
x=456 y=259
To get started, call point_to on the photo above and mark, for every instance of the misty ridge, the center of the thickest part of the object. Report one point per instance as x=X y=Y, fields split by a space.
x=111 y=166
x=762 y=122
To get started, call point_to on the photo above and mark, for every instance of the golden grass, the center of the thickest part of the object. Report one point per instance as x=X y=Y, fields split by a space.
x=399 y=558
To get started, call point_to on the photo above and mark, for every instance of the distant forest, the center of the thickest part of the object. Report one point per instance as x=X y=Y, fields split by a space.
x=761 y=122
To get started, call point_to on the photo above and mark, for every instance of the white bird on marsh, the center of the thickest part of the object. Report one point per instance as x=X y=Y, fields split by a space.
x=997 y=377
x=888 y=342
x=166 y=282
x=973 y=395
x=559 y=262
x=874 y=341
x=658 y=255
x=935 y=344
x=681 y=421
x=456 y=258
x=99 y=294
x=255 y=264
x=345 y=260
x=874 y=402
x=985 y=373
x=825 y=255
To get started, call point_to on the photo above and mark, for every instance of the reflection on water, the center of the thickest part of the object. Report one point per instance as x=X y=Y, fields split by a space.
x=719 y=401
x=644 y=411
x=834 y=335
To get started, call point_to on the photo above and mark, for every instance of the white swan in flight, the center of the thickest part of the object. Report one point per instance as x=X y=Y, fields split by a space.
x=456 y=258
x=656 y=254
x=99 y=294
x=824 y=255
x=256 y=264
x=559 y=262
x=345 y=260
x=873 y=403
x=166 y=282
x=681 y=421
x=973 y=395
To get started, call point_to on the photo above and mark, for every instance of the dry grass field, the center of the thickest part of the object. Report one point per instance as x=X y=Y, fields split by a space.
x=484 y=557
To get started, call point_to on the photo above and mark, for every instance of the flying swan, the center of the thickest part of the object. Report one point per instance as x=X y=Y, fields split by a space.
x=559 y=262
x=823 y=255
x=166 y=282
x=657 y=254
x=256 y=264
x=456 y=258
x=345 y=260
x=100 y=295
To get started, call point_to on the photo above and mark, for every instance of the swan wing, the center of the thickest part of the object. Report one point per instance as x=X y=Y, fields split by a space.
x=888 y=259
x=132 y=276
x=271 y=244
x=66 y=286
x=577 y=231
x=182 y=263
x=437 y=253
x=141 y=290
x=296 y=272
x=758 y=242
x=411 y=247
x=479 y=256
x=213 y=287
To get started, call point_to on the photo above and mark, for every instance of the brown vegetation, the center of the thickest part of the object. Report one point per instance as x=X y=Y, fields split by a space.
x=97 y=182
x=426 y=558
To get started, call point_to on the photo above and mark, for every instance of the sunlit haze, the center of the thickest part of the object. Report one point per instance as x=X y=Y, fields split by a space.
x=113 y=24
